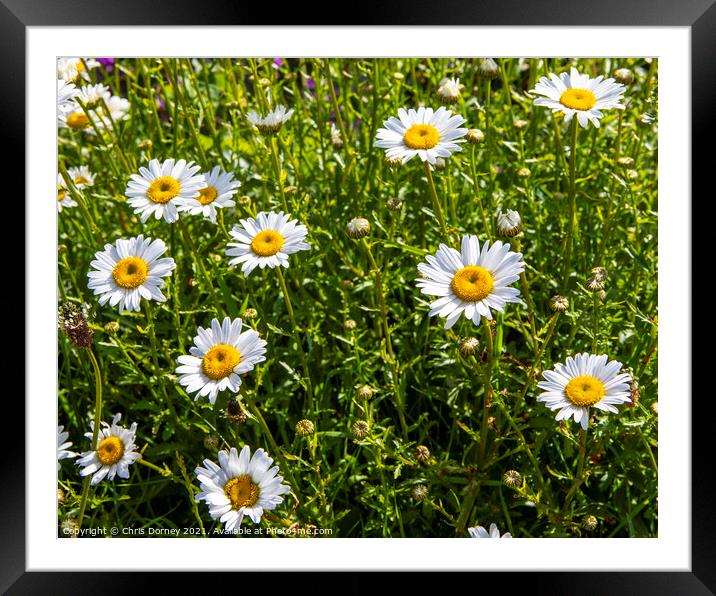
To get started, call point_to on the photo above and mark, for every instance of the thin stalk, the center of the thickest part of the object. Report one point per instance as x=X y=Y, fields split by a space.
x=580 y=467
x=436 y=202
x=476 y=186
x=487 y=398
x=571 y=224
x=297 y=339
x=95 y=430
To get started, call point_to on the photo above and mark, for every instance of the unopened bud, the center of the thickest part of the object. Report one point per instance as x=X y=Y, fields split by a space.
x=509 y=223
x=624 y=76
x=475 y=136
x=304 y=428
x=360 y=429
x=364 y=392
x=488 y=69
x=422 y=454
x=395 y=204
x=512 y=479
x=358 y=227
x=559 y=303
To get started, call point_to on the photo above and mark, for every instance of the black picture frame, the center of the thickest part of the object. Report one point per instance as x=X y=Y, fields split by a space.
x=699 y=15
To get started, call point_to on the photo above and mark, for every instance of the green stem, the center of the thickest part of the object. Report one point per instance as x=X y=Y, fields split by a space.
x=95 y=430
x=580 y=467
x=476 y=186
x=436 y=202
x=278 y=172
x=571 y=224
x=487 y=398
x=297 y=339
x=392 y=362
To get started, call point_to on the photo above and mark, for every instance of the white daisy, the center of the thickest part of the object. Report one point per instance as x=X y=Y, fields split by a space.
x=114 y=454
x=74 y=117
x=426 y=133
x=271 y=122
x=220 y=187
x=240 y=485
x=64 y=199
x=71 y=70
x=81 y=176
x=472 y=281
x=219 y=356
x=62 y=445
x=579 y=94
x=162 y=187
x=66 y=92
x=128 y=271
x=584 y=381
x=449 y=90
x=480 y=532
x=118 y=108
x=266 y=241
x=91 y=95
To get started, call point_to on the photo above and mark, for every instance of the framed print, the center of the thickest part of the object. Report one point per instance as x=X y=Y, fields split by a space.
x=365 y=292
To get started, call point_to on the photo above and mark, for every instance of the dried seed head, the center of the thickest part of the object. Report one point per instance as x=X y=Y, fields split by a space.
x=509 y=223
x=349 y=325
x=69 y=528
x=364 y=392
x=358 y=227
x=111 y=328
x=624 y=76
x=468 y=346
x=512 y=479
x=419 y=492
x=74 y=323
x=449 y=90
x=488 y=69
x=234 y=412
x=597 y=279
x=559 y=303
x=211 y=442
x=475 y=136
x=360 y=429
x=422 y=454
x=249 y=313
x=589 y=523
x=395 y=204
x=635 y=392
x=304 y=428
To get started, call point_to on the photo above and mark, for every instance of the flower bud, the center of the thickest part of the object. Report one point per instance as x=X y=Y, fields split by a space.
x=395 y=204
x=597 y=279
x=360 y=430
x=422 y=454
x=488 y=69
x=449 y=90
x=358 y=227
x=364 y=392
x=468 y=346
x=558 y=303
x=349 y=325
x=249 y=313
x=419 y=492
x=523 y=172
x=624 y=76
x=512 y=479
x=589 y=523
x=211 y=442
x=234 y=412
x=305 y=428
x=509 y=223
x=111 y=328
x=475 y=136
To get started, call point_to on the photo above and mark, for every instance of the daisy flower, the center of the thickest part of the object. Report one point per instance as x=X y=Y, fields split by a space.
x=240 y=485
x=128 y=271
x=579 y=94
x=118 y=108
x=71 y=70
x=266 y=241
x=220 y=187
x=480 y=532
x=74 y=117
x=472 y=281
x=91 y=95
x=114 y=454
x=66 y=92
x=161 y=187
x=64 y=199
x=62 y=445
x=81 y=176
x=426 y=133
x=219 y=355
x=271 y=122
x=582 y=382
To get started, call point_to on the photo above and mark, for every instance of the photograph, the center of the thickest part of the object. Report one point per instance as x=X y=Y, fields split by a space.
x=357 y=297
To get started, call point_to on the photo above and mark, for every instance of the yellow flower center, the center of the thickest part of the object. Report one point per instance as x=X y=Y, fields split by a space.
x=80 y=180
x=585 y=390
x=421 y=136
x=220 y=361
x=267 y=243
x=241 y=491
x=472 y=283
x=110 y=450
x=130 y=272
x=578 y=99
x=77 y=120
x=60 y=193
x=207 y=195
x=163 y=189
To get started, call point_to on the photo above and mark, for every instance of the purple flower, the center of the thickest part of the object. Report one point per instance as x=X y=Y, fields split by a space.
x=277 y=62
x=108 y=63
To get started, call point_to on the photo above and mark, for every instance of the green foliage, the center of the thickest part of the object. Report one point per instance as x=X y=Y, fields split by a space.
x=426 y=392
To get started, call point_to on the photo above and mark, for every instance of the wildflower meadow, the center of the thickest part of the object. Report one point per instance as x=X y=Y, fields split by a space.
x=357 y=297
